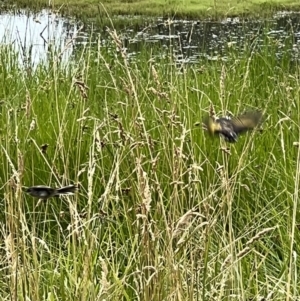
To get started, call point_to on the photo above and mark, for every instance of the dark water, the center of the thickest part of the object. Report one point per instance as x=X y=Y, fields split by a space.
x=193 y=40
x=36 y=36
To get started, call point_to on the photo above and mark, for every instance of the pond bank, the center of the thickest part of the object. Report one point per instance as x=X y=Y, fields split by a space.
x=92 y=9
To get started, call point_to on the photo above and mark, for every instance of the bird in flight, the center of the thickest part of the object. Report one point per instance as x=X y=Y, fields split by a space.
x=46 y=192
x=231 y=128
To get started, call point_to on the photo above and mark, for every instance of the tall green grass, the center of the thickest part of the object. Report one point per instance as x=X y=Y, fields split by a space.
x=97 y=10
x=164 y=212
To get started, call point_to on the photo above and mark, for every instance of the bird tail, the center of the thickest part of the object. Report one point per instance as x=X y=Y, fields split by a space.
x=67 y=189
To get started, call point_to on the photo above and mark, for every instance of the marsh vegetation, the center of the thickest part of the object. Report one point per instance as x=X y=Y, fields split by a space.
x=164 y=211
x=96 y=10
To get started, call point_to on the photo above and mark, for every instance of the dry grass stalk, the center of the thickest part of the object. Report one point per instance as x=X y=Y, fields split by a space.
x=155 y=76
x=222 y=84
x=28 y=104
x=83 y=88
x=144 y=188
x=161 y=95
x=247 y=249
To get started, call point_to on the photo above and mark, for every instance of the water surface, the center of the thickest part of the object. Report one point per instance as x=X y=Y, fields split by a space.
x=46 y=34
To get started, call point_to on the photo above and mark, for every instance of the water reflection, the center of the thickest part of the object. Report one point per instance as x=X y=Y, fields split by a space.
x=36 y=36
x=191 y=41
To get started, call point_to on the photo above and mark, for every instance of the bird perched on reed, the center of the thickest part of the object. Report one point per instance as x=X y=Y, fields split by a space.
x=46 y=192
x=231 y=128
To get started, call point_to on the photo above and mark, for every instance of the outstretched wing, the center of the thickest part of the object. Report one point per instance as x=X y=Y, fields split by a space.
x=67 y=189
x=247 y=121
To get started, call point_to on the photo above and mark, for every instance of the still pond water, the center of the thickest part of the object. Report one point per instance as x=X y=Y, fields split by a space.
x=34 y=36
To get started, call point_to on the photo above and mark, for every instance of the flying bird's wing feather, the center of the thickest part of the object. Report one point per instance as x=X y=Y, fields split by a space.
x=247 y=121
x=67 y=189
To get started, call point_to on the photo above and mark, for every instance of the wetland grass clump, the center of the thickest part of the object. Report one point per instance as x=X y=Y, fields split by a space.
x=206 y=9
x=164 y=212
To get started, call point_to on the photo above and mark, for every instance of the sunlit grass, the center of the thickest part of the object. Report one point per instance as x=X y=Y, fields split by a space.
x=164 y=212
x=84 y=9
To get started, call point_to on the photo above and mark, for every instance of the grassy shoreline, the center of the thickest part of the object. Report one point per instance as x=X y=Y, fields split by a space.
x=83 y=9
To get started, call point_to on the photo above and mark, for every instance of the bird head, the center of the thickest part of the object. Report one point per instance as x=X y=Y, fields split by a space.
x=211 y=125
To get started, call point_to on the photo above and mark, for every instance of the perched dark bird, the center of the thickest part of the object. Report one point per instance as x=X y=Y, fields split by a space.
x=230 y=128
x=46 y=192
